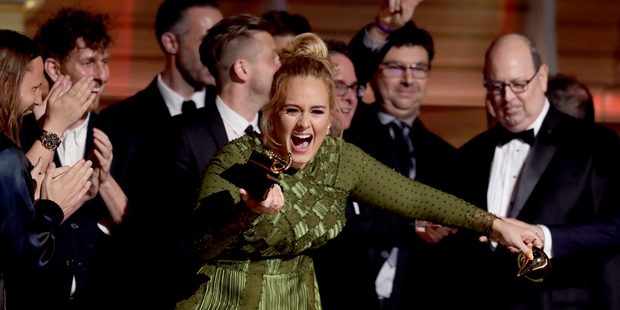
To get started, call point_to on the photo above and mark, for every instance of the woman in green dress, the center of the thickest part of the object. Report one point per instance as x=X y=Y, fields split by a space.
x=256 y=253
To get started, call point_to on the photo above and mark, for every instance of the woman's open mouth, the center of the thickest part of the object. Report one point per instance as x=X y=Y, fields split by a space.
x=301 y=142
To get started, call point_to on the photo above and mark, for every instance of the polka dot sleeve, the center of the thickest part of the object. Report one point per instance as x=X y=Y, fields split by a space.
x=374 y=183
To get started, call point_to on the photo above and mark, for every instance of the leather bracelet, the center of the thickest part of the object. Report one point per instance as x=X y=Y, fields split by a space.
x=381 y=28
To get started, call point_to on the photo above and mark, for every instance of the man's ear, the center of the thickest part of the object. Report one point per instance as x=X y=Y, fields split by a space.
x=241 y=68
x=170 y=42
x=543 y=73
x=52 y=68
x=489 y=105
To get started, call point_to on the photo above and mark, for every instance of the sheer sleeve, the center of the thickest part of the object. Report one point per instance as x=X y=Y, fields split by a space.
x=378 y=185
x=220 y=215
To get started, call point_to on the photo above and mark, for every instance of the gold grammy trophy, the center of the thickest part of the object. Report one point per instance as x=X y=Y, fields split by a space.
x=536 y=269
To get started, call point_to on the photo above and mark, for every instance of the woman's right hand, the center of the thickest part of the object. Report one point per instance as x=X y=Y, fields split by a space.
x=516 y=238
x=66 y=104
x=67 y=189
x=271 y=205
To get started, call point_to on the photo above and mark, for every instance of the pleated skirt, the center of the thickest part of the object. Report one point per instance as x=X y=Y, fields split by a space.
x=271 y=284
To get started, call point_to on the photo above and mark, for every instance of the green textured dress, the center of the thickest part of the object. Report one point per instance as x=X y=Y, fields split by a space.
x=261 y=261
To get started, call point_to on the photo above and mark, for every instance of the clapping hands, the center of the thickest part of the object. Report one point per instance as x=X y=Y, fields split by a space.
x=66 y=189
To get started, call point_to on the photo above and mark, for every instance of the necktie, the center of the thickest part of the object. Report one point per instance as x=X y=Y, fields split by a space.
x=404 y=148
x=188 y=107
x=526 y=136
x=249 y=130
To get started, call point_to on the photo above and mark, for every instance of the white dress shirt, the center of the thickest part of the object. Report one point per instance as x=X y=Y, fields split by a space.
x=234 y=123
x=174 y=101
x=506 y=168
x=73 y=145
x=70 y=151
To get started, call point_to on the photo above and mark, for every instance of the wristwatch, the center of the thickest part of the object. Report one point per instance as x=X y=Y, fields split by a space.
x=49 y=140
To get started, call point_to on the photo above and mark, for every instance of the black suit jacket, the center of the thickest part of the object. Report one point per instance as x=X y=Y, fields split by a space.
x=143 y=111
x=367 y=238
x=83 y=250
x=144 y=120
x=565 y=180
x=196 y=138
x=154 y=238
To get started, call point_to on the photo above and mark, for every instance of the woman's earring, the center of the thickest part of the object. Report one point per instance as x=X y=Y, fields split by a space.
x=328 y=131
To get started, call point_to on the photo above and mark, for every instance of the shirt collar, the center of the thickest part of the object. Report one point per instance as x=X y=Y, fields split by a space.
x=235 y=121
x=174 y=101
x=78 y=134
x=385 y=119
x=541 y=117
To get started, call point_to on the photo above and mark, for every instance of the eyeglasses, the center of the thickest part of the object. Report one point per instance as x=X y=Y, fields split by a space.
x=517 y=87
x=398 y=69
x=342 y=89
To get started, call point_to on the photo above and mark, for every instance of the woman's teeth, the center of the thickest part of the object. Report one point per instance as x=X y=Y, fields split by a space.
x=301 y=141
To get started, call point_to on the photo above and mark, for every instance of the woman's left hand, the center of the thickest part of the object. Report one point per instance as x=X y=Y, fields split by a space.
x=271 y=205
x=517 y=239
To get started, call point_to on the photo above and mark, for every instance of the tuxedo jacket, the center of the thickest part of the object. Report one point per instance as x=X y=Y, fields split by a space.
x=144 y=119
x=367 y=238
x=566 y=179
x=144 y=111
x=83 y=250
x=157 y=223
x=196 y=138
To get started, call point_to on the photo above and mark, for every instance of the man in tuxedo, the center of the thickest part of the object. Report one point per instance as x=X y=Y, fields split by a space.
x=391 y=131
x=241 y=54
x=185 y=84
x=75 y=44
x=540 y=167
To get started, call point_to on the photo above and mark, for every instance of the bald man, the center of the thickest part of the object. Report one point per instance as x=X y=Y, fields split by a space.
x=544 y=168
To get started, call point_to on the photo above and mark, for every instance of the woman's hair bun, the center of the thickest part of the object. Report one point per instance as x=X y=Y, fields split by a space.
x=306 y=44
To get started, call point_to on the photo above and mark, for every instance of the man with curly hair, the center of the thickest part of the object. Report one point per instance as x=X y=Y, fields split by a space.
x=75 y=46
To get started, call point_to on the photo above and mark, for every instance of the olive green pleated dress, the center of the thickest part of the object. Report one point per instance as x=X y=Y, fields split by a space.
x=260 y=262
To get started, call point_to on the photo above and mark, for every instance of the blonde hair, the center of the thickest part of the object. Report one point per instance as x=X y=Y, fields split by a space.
x=304 y=56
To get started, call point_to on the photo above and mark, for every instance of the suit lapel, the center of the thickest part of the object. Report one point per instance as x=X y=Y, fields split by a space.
x=90 y=139
x=155 y=102
x=540 y=156
x=215 y=123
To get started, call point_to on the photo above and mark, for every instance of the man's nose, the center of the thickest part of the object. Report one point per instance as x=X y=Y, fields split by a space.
x=38 y=99
x=407 y=78
x=508 y=94
x=101 y=72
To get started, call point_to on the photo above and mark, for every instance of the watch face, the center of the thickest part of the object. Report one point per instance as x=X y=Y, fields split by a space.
x=51 y=140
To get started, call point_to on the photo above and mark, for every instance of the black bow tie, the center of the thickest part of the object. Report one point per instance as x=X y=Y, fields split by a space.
x=526 y=136
x=249 y=130
x=188 y=106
